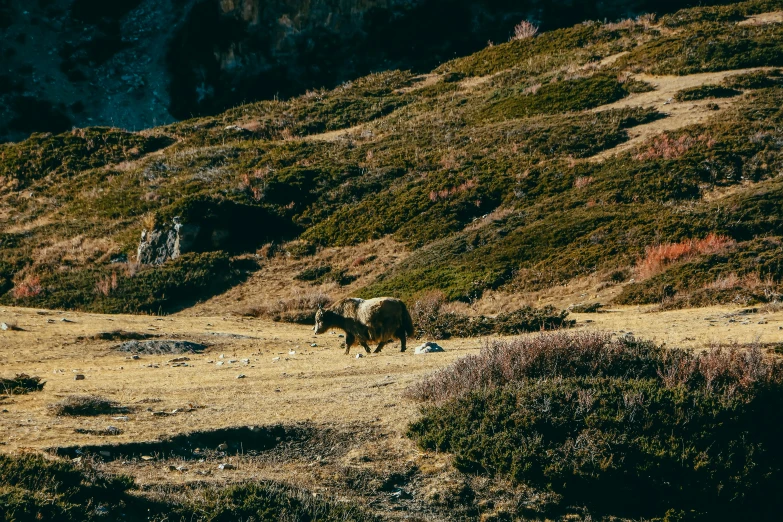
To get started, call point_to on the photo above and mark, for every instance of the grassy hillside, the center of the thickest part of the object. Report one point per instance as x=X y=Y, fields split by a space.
x=486 y=169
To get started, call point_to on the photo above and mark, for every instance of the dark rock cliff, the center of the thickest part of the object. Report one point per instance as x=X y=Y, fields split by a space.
x=139 y=63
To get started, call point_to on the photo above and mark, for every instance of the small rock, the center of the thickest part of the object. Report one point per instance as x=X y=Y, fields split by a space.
x=292 y=352
x=340 y=335
x=428 y=347
x=113 y=430
x=314 y=345
x=219 y=363
x=241 y=376
x=359 y=355
x=227 y=466
x=232 y=361
x=275 y=359
x=121 y=418
x=401 y=494
x=4 y=326
x=245 y=361
x=64 y=320
x=181 y=469
x=221 y=356
x=179 y=359
x=78 y=377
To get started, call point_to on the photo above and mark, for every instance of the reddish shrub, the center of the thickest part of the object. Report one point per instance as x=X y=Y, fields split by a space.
x=658 y=257
x=30 y=286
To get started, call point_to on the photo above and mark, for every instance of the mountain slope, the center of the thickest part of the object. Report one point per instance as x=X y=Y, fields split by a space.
x=504 y=170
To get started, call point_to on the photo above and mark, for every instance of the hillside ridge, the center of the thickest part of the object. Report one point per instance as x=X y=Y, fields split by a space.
x=582 y=154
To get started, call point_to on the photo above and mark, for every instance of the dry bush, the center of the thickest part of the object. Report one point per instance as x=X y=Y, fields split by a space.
x=30 y=286
x=299 y=309
x=432 y=320
x=21 y=384
x=666 y=147
x=596 y=355
x=582 y=181
x=86 y=405
x=524 y=30
x=658 y=257
x=107 y=285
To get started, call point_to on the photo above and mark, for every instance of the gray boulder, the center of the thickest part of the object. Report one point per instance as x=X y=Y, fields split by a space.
x=159 y=245
x=429 y=347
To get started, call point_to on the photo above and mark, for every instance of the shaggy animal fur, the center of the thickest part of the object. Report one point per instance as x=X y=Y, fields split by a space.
x=378 y=320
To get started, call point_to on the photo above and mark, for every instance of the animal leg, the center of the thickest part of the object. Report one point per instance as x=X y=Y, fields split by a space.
x=401 y=334
x=349 y=340
x=366 y=346
x=380 y=346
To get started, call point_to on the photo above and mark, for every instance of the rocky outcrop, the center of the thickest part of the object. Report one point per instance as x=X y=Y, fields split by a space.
x=159 y=245
x=139 y=63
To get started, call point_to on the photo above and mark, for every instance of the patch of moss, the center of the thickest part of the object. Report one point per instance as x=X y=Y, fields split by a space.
x=563 y=96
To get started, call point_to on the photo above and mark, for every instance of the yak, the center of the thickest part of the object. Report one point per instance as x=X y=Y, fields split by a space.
x=376 y=320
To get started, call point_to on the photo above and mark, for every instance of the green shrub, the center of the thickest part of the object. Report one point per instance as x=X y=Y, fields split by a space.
x=624 y=427
x=563 y=96
x=152 y=289
x=34 y=488
x=754 y=80
x=70 y=152
x=705 y=91
x=431 y=321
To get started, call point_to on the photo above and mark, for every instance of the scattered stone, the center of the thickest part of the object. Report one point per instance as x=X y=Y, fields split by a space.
x=12 y=327
x=232 y=361
x=219 y=363
x=401 y=494
x=245 y=361
x=179 y=359
x=221 y=356
x=78 y=377
x=359 y=355
x=113 y=430
x=275 y=359
x=65 y=320
x=314 y=345
x=292 y=352
x=227 y=466
x=160 y=347
x=428 y=347
x=121 y=418
x=340 y=335
x=241 y=376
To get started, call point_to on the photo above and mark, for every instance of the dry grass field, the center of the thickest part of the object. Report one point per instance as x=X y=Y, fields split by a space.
x=345 y=417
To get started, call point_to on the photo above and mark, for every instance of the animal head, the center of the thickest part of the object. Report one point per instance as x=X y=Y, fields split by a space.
x=320 y=323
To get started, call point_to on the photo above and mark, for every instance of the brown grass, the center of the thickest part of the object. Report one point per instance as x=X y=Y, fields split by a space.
x=658 y=257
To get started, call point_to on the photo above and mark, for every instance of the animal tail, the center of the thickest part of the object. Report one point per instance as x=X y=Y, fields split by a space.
x=407 y=322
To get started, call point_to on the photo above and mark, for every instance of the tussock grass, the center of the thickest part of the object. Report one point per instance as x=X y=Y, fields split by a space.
x=21 y=384
x=86 y=405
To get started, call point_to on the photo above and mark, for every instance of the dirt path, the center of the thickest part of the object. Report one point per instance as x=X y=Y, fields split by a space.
x=678 y=114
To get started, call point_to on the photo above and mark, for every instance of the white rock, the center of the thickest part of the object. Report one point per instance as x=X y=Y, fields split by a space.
x=359 y=355
x=227 y=466
x=313 y=345
x=241 y=376
x=4 y=326
x=428 y=347
x=219 y=363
